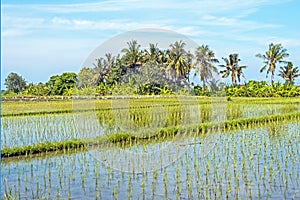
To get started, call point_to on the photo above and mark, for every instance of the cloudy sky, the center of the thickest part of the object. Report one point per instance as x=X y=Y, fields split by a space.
x=44 y=38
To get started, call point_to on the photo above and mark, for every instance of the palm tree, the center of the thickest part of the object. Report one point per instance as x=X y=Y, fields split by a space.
x=275 y=54
x=152 y=55
x=204 y=66
x=289 y=73
x=133 y=56
x=177 y=64
x=102 y=68
x=99 y=72
x=109 y=61
x=232 y=67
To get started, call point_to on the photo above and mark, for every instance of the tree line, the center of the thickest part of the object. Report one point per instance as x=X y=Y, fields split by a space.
x=157 y=71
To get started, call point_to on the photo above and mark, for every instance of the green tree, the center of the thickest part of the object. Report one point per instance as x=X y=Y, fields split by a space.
x=289 y=73
x=232 y=67
x=15 y=82
x=275 y=54
x=132 y=57
x=39 y=89
x=204 y=66
x=177 y=63
x=59 y=83
x=116 y=71
x=85 y=77
x=152 y=55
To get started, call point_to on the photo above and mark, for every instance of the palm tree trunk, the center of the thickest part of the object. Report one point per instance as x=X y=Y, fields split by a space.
x=272 y=77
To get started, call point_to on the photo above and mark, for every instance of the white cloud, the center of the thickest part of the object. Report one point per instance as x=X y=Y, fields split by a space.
x=13 y=33
x=21 y=22
x=60 y=21
x=123 y=25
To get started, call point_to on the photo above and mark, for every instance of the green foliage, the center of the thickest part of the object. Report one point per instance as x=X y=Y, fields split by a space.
x=200 y=91
x=274 y=55
x=289 y=73
x=204 y=66
x=165 y=91
x=85 y=77
x=232 y=67
x=58 y=84
x=261 y=89
x=157 y=71
x=39 y=89
x=15 y=83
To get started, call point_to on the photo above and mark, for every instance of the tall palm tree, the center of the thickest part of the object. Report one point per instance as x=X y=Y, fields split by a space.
x=233 y=68
x=151 y=55
x=204 y=66
x=177 y=64
x=132 y=55
x=102 y=68
x=109 y=61
x=275 y=54
x=289 y=73
x=100 y=72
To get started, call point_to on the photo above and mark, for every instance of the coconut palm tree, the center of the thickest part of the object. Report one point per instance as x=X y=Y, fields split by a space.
x=204 y=66
x=177 y=64
x=275 y=54
x=289 y=73
x=151 y=55
x=100 y=72
x=233 y=68
x=132 y=55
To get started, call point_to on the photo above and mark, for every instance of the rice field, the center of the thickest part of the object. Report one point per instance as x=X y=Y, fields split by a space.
x=153 y=148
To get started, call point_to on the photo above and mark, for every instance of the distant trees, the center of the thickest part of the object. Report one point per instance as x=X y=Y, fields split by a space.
x=157 y=71
x=15 y=83
x=274 y=55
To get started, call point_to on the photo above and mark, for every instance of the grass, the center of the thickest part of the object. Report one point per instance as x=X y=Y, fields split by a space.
x=66 y=106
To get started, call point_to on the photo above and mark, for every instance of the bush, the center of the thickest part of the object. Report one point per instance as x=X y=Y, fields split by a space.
x=261 y=89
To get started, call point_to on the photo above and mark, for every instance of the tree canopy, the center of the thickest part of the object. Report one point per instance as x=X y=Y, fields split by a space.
x=15 y=83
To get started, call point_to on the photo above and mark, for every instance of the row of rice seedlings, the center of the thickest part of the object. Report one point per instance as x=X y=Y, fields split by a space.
x=88 y=127
x=67 y=106
x=43 y=107
x=21 y=131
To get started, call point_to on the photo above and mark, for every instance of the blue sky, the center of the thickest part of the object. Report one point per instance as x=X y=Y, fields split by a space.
x=44 y=38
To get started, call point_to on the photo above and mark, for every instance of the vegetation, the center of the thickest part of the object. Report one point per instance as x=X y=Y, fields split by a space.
x=139 y=117
x=205 y=60
x=233 y=68
x=156 y=71
x=198 y=144
x=289 y=73
x=15 y=83
x=242 y=148
x=275 y=54
x=262 y=89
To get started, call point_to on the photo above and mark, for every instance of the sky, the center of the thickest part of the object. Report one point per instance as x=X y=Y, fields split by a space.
x=44 y=38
